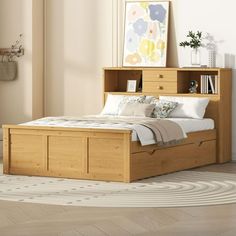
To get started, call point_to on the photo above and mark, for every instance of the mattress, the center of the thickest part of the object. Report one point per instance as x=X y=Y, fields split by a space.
x=193 y=125
x=187 y=125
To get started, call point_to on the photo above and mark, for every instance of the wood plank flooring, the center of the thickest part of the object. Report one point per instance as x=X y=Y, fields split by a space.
x=25 y=219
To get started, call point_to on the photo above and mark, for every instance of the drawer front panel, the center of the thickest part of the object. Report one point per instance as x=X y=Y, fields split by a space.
x=160 y=75
x=160 y=87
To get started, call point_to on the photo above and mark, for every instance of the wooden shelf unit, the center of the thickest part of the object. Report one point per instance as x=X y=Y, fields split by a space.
x=175 y=82
x=160 y=81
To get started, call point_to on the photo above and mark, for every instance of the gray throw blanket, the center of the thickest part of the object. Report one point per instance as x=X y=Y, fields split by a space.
x=166 y=131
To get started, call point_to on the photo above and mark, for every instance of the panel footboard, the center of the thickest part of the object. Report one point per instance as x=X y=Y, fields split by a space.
x=67 y=152
x=98 y=154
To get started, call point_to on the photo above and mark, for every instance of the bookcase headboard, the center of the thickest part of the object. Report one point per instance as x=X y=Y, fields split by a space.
x=175 y=82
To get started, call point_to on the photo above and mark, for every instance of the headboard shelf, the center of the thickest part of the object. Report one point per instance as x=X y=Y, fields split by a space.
x=175 y=82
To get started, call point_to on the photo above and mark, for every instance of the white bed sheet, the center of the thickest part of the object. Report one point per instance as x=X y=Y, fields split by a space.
x=188 y=125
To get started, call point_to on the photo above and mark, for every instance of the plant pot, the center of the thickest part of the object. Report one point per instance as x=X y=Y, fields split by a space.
x=195 y=57
x=8 y=70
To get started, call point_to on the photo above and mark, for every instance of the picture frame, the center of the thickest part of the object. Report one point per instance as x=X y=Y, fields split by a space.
x=146 y=34
x=131 y=86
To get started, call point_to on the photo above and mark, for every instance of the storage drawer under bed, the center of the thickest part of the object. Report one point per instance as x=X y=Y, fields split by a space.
x=148 y=161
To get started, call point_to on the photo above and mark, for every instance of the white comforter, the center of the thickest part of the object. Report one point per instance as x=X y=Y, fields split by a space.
x=164 y=130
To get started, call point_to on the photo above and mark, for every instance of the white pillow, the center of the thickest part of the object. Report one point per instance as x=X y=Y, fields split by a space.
x=188 y=107
x=114 y=103
x=137 y=109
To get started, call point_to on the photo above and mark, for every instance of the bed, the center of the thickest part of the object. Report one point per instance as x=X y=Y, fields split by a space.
x=107 y=153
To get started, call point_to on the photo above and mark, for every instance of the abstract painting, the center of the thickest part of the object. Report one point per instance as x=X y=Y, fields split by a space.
x=146 y=33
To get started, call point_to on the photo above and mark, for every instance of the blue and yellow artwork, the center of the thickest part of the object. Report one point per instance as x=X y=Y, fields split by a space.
x=146 y=32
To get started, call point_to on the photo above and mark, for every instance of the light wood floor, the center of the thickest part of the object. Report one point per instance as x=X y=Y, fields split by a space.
x=45 y=220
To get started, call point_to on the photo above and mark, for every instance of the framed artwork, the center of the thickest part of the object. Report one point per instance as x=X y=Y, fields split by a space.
x=146 y=34
x=131 y=86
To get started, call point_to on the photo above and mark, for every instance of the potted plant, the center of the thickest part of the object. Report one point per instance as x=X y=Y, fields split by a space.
x=195 y=42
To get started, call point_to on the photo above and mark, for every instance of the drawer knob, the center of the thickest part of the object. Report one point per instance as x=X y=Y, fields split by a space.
x=160 y=87
x=159 y=76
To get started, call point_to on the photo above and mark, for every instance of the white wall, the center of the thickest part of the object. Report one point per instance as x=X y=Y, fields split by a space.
x=21 y=99
x=16 y=96
x=78 y=44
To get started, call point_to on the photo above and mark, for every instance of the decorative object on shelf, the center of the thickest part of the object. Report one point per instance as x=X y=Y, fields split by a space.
x=195 y=57
x=195 y=43
x=211 y=58
x=211 y=45
x=131 y=86
x=8 y=65
x=193 y=85
x=140 y=83
x=146 y=33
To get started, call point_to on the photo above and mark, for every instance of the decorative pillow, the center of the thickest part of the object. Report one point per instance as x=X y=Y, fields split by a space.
x=131 y=99
x=188 y=107
x=162 y=108
x=137 y=109
x=114 y=103
x=148 y=99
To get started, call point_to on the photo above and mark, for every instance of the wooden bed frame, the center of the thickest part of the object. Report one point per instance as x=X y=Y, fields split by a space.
x=103 y=154
x=109 y=154
x=99 y=154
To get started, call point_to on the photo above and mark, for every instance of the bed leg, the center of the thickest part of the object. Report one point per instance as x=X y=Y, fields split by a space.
x=6 y=152
x=127 y=142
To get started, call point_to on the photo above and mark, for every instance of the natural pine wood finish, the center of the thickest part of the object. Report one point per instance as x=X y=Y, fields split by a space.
x=175 y=82
x=6 y=150
x=65 y=151
x=68 y=152
x=99 y=155
x=160 y=75
x=109 y=154
x=162 y=87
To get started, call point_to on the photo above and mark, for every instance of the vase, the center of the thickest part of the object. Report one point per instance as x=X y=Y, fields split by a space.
x=195 y=57
x=211 y=58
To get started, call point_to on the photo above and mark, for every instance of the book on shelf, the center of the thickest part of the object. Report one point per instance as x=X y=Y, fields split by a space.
x=209 y=84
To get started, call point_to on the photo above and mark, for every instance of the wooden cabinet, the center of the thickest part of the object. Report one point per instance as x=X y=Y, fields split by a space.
x=159 y=87
x=160 y=75
x=163 y=80
x=175 y=81
x=159 y=81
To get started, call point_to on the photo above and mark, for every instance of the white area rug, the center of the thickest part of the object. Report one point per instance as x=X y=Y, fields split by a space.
x=186 y=188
